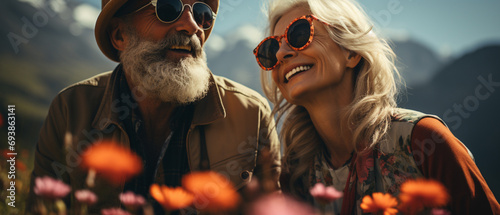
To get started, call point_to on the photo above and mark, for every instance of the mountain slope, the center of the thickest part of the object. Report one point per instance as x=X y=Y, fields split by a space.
x=466 y=95
x=39 y=57
x=416 y=62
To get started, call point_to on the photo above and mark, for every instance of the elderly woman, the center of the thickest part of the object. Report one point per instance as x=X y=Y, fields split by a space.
x=333 y=82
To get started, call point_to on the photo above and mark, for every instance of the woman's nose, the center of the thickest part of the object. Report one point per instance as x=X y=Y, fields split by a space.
x=285 y=52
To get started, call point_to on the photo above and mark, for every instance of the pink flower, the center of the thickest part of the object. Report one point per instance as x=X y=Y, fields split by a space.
x=325 y=194
x=129 y=199
x=437 y=211
x=50 y=188
x=114 y=211
x=86 y=196
x=278 y=204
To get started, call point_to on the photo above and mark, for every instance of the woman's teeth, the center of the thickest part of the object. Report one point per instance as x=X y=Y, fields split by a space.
x=295 y=71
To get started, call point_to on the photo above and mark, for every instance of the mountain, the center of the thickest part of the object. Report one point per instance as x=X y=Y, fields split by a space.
x=235 y=60
x=39 y=56
x=466 y=95
x=416 y=62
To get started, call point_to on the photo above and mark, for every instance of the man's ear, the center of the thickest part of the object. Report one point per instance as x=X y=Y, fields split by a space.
x=117 y=34
x=353 y=59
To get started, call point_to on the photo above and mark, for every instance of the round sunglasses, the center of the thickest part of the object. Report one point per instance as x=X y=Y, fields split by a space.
x=168 y=11
x=299 y=34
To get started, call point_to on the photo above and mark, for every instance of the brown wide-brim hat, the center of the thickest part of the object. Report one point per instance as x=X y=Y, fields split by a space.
x=109 y=10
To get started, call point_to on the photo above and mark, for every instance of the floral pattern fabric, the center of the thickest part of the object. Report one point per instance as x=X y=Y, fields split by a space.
x=383 y=168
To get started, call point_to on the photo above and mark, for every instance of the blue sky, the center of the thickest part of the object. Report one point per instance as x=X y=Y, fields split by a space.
x=450 y=27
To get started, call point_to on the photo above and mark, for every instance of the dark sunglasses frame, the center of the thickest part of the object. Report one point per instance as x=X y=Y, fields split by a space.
x=191 y=8
x=309 y=18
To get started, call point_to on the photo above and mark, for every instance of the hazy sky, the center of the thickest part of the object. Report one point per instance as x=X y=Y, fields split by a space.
x=449 y=27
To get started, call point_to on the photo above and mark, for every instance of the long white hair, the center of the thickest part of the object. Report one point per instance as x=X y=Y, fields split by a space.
x=375 y=88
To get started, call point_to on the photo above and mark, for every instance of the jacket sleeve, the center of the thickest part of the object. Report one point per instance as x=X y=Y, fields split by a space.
x=268 y=168
x=444 y=158
x=50 y=159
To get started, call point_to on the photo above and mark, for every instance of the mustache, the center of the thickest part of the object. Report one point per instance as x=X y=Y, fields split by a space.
x=153 y=51
x=179 y=39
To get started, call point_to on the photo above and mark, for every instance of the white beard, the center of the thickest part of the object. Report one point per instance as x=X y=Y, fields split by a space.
x=183 y=81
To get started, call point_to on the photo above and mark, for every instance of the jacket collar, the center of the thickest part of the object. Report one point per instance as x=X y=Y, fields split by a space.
x=207 y=110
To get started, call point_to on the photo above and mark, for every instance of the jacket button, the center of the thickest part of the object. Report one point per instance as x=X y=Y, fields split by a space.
x=244 y=175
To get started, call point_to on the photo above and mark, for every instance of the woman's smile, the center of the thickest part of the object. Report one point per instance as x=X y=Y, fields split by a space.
x=296 y=70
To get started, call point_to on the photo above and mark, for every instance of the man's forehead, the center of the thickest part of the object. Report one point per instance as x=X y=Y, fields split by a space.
x=205 y=1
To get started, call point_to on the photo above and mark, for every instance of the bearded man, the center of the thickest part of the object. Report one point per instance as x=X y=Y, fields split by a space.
x=162 y=102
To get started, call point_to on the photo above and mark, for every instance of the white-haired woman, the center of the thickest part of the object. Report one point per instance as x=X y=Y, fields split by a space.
x=333 y=82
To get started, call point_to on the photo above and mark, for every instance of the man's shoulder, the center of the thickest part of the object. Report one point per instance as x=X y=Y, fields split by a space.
x=232 y=88
x=92 y=88
x=97 y=81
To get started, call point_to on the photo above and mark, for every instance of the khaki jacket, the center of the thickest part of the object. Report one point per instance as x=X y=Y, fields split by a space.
x=236 y=120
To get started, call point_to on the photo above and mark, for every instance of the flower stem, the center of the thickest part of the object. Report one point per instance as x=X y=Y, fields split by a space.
x=91 y=178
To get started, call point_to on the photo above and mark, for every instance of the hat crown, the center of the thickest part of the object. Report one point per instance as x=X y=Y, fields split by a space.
x=104 y=2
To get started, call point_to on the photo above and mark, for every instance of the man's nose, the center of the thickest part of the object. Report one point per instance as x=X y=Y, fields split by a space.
x=186 y=23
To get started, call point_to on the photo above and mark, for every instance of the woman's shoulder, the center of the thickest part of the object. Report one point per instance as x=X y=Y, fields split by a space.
x=422 y=131
x=410 y=116
x=404 y=121
x=406 y=124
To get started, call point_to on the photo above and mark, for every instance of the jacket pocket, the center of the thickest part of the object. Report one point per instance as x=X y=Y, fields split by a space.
x=238 y=169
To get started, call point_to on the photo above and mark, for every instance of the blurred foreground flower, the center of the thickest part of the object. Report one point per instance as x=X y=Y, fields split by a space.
x=86 y=197
x=51 y=191
x=436 y=211
x=279 y=204
x=131 y=200
x=114 y=211
x=418 y=194
x=50 y=188
x=114 y=162
x=5 y=153
x=212 y=191
x=380 y=203
x=324 y=194
x=171 y=198
x=21 y=166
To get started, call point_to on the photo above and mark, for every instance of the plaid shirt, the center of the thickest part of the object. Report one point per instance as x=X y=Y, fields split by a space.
x=172 y=163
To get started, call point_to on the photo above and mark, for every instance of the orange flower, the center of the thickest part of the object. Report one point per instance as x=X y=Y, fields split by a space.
x=420 y=193
x=114 y=162
x=171 y=198
x=20 y=165
x=380 y=203
x=5 y=153
x=212 y=191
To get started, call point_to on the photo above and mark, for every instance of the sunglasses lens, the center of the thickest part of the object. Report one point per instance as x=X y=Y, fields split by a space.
x=203 y=15
x=267 y=53
x=298 y=33
x=168 y=10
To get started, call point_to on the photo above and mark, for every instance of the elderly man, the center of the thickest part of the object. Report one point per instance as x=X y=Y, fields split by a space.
x=162 y=101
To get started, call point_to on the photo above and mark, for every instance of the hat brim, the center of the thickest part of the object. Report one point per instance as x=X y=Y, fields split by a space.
x=103 y=21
